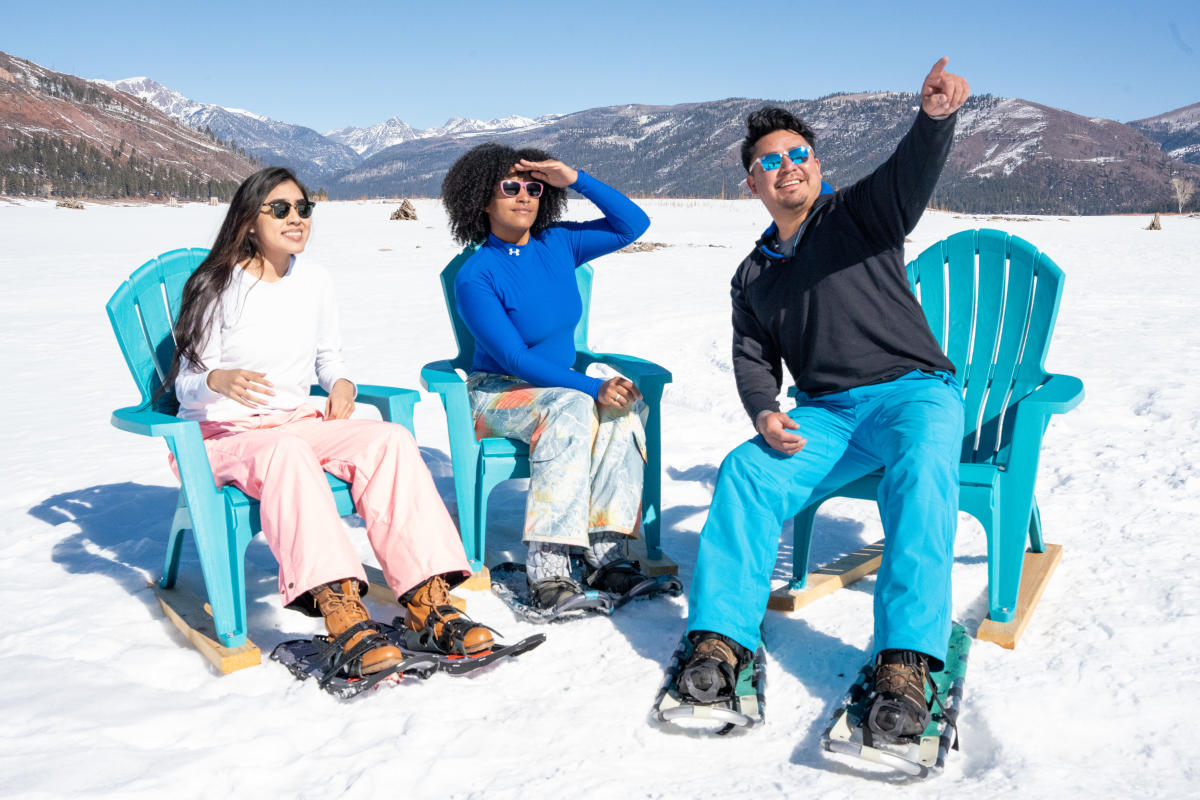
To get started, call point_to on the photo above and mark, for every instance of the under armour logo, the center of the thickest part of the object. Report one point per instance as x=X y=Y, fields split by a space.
x=514 y=251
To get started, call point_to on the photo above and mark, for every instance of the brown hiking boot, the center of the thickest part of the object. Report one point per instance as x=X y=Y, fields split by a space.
x=899 y=708
x=340 y=605
x=452 y=631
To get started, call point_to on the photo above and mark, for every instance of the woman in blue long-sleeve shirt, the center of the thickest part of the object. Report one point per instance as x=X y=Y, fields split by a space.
x=519 y=298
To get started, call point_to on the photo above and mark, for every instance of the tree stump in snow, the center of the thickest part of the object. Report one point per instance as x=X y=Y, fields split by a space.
x=1155 y=224
x=406 y=211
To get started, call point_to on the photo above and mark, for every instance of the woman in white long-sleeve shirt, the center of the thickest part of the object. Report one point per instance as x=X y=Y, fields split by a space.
x=257 y=320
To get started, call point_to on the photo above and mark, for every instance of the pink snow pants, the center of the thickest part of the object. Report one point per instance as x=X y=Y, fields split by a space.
x=279 y=459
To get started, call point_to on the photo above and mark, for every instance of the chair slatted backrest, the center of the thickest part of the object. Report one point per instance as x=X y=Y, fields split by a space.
x=991 y=300
x=143 y=312
x=462 y=335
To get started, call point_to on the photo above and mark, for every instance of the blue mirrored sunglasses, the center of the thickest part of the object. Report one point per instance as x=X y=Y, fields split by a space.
x=770 y=161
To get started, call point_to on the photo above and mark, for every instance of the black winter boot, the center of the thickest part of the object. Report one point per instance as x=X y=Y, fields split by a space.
x=619 y=577
x=549 y=593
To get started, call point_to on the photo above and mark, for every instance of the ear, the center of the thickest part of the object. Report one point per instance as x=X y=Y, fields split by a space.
x=750 y=182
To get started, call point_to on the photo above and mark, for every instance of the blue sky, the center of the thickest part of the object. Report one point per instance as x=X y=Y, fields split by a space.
x=328 y=65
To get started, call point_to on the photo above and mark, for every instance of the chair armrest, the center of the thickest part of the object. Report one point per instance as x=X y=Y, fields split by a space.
x=394 y=403
x=1056 y=396
x=147 y=422
x=441 y=377
x=638 y=370
x=184 y=439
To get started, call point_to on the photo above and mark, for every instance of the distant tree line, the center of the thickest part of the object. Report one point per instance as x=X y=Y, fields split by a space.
x=232 y=145
x=74 y=168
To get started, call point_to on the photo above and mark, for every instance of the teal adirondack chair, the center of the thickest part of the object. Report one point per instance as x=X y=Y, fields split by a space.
x=479 y=465
x=991 y=300
x=222 y=520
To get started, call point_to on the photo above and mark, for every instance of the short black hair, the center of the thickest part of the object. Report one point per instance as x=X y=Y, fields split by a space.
x=471 y=183
x=769 y=119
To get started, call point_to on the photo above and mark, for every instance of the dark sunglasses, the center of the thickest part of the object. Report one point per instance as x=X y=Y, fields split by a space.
x=281 y=208
x=512 y=188
x=772 y=161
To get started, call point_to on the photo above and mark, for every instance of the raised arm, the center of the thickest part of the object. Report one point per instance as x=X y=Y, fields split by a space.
x=889 y=202
x=623 y=220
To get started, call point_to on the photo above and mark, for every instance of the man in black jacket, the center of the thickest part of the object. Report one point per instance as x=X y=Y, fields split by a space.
x=825 y=291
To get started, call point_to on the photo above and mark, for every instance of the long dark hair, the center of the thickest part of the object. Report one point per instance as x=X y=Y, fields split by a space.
x=234 y=244
x=471 y=183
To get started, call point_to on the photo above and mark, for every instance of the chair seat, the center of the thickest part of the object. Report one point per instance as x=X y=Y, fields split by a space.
x=499 y=447
x=239 y=500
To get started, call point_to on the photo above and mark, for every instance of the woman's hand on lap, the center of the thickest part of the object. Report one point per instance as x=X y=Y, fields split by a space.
x=340 y=403
x=553 y=172
x=617 y=393
x=251 y=389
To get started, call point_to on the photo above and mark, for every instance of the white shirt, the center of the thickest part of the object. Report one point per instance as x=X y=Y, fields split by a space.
x=287 y=330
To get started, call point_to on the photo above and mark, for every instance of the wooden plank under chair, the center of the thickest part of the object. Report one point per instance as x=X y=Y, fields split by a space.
x=1035 y=576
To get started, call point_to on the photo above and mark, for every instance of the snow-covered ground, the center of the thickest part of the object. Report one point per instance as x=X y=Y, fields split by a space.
x=101 y=696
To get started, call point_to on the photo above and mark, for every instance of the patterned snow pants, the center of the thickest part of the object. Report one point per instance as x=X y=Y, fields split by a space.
x=586 y=464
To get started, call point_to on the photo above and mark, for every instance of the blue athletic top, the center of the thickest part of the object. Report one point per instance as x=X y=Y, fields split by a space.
x=521 y=302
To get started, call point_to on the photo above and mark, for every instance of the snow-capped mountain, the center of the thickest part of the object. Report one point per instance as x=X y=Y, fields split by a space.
x=1009 y=154
x=1177 y=131
x=314 y=157
x=369 y=141
x=107 y=143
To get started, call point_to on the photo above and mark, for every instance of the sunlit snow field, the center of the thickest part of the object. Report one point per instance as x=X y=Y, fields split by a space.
x=102 y=697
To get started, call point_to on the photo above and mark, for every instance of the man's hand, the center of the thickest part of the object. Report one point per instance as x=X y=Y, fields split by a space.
x=774 y=427
x=943 y=92
x=340 y=403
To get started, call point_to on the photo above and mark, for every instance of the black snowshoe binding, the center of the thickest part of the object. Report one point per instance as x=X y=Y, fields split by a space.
x=338 y=671
x=452 y=659
x=625 y=581
x=880 y=720
x=710 y=674
x=712 y=684
x=552 y=600
x=563 y=598
x=899 y=709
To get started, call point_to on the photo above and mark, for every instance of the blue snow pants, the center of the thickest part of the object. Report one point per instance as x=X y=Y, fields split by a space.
x=912 y=427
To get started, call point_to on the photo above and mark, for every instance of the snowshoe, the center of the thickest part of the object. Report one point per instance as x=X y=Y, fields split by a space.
x=742 y=708
x=509 y=583
x=624 y=580
x=338 y=671
x=921 y=755
x=420 y=643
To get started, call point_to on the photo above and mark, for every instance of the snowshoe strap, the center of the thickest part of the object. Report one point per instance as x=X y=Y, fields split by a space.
x=720 y=678
x=450 y=643
x=335 y=657
x=621 y=566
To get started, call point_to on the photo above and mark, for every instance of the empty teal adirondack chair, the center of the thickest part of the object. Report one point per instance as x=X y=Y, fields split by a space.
x=222 y=520
x=479 y=465
x=991 y=300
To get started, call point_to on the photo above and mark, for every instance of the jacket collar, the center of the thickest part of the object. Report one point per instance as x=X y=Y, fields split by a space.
x=765 y=242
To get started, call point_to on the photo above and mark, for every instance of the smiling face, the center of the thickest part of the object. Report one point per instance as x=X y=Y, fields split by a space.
x=510 y=218
x=279 y=238
x=790 y=191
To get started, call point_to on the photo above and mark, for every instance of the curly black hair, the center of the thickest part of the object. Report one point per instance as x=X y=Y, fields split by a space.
x=471 y=183
x=769 y=119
